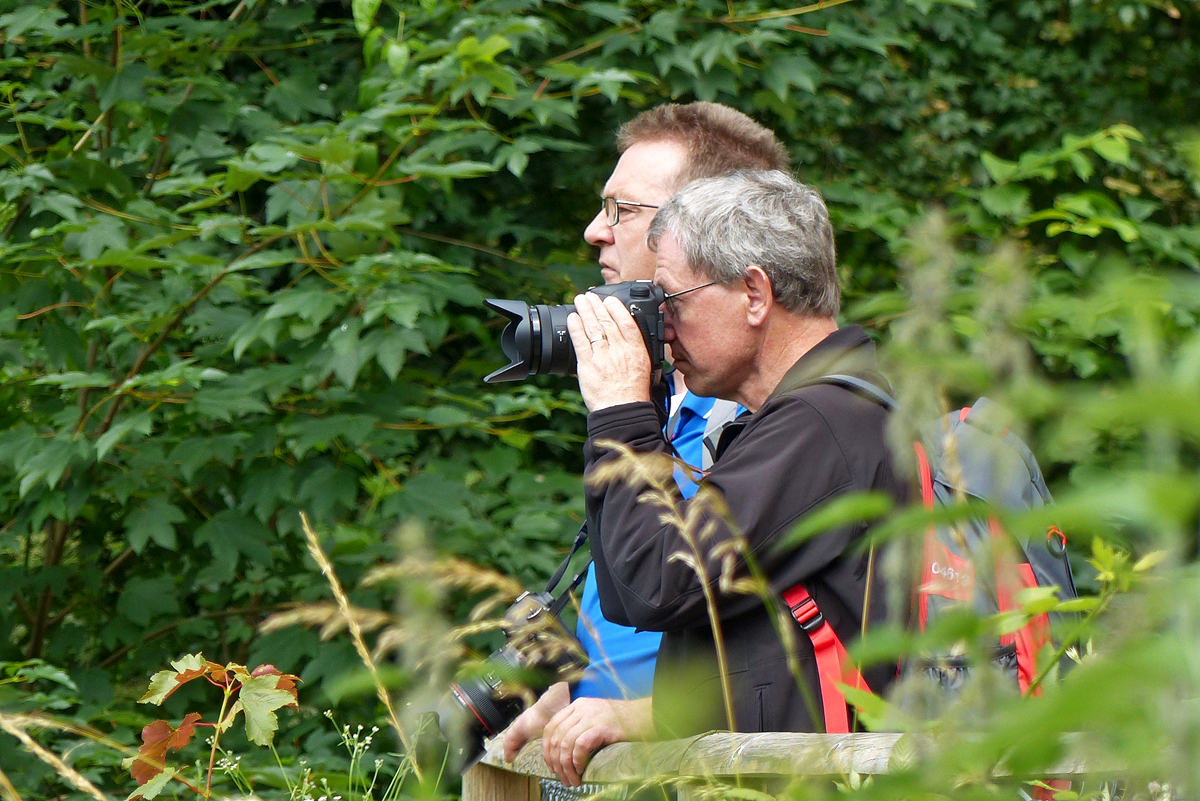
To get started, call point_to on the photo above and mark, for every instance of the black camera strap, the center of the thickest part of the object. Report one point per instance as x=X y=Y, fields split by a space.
x=558 y=603
x=561 y=601
x=580 y=539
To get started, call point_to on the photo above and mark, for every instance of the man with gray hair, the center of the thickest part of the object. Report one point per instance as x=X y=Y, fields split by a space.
x=747 y=261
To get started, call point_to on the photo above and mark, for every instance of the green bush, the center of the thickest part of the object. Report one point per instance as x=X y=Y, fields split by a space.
x=245 y=247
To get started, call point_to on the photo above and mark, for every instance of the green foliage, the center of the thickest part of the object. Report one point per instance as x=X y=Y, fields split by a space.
x=245 y=247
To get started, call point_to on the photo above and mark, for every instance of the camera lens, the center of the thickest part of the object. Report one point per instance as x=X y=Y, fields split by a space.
x=535 y=341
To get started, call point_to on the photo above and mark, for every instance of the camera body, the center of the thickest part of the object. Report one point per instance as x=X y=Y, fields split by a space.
x=536 y=341
x=539 y=651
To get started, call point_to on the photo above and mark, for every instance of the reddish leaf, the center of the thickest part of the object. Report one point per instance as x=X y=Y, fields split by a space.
x=286 y=681
x=158 y=738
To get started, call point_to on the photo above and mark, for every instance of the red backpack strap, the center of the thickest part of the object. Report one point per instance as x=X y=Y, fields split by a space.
x=833 y=664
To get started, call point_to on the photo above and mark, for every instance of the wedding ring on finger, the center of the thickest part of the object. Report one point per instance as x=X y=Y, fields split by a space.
x=600 y=338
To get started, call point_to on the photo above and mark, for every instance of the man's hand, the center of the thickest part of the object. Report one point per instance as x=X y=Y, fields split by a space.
x=585 y=725
x=530 y=723
x=614 y=367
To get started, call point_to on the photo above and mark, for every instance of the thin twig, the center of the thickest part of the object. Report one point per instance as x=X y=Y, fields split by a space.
x=88 y=133
x=786 y=12
x=356 y=635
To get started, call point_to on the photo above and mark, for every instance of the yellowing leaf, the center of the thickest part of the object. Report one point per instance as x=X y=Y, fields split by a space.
x=165 y=682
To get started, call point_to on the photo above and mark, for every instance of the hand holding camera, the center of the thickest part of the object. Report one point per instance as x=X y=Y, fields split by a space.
x=613 y=364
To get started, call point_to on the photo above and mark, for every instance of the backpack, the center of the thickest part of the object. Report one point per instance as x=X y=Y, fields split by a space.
x=963 y=449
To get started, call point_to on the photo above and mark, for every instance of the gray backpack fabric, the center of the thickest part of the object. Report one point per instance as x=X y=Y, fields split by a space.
x=970 y=454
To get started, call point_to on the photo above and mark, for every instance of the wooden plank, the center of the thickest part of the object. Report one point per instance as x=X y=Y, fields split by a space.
x=487 y=783
x=770 y=754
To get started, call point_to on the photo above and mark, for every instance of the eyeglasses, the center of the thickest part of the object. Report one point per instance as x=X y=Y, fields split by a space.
x=669 y=300
x=612 y=208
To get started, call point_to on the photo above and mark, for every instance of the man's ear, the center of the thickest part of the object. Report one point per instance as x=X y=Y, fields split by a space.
x=759 y=295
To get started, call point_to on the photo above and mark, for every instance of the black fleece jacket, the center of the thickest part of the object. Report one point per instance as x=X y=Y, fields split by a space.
x=804 y=446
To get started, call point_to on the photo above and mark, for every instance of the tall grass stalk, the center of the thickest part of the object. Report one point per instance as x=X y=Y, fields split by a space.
x=7 y=791
x=356 y=636
x=15 y=725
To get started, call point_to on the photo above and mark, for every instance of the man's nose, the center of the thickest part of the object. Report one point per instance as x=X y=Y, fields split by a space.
x=598 y=232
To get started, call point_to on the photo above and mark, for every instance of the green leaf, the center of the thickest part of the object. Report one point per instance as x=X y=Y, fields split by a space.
x=845 y=510
x=1006 y=200
x=1113 y=149
x=61 y=204
x=258 y=699
x=75 y=380
x=999 y=169
x=229 y=533
x=165 y=682
x=1083 y=166
x=152 y=788
x=31 y=18
x=364 y=14
x=141 y=423
x=142 y=600
x=155 y=520
x=1078 y=605
x=397 y=58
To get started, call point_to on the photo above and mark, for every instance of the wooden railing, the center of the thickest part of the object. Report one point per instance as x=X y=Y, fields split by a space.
x=759 y=758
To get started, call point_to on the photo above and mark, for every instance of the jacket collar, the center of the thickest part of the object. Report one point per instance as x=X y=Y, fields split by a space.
x=846 y=350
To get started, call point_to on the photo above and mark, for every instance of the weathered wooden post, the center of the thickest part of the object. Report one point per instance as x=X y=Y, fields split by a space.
x=486 y=783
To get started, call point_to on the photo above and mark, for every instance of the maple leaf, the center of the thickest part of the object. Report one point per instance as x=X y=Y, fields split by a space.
x=165 y=682
x=258 y=698
x=158 y=738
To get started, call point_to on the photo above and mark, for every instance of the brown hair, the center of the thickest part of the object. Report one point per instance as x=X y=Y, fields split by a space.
x=718 y=139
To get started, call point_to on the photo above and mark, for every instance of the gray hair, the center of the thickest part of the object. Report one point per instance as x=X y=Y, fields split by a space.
x=724 y=225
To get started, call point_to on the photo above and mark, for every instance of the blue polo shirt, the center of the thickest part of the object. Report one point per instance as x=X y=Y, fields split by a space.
x=622 y=663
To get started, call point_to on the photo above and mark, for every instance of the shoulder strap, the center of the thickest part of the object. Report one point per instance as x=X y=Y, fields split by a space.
x=833 y=663
x=859 y=386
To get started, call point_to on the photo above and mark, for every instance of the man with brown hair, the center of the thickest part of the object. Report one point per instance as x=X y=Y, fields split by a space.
x=661 y=151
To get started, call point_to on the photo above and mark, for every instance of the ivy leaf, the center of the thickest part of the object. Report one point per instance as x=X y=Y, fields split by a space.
x=158 y=738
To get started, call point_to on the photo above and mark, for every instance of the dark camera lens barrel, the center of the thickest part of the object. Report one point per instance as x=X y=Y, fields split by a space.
x=557 y=356
x=492 y=715
x=536 y=340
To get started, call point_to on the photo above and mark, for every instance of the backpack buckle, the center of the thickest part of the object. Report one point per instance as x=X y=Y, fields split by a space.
x=808 y=615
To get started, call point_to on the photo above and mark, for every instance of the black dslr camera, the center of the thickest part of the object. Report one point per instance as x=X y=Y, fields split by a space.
x=536 y=341
x=539 y=651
